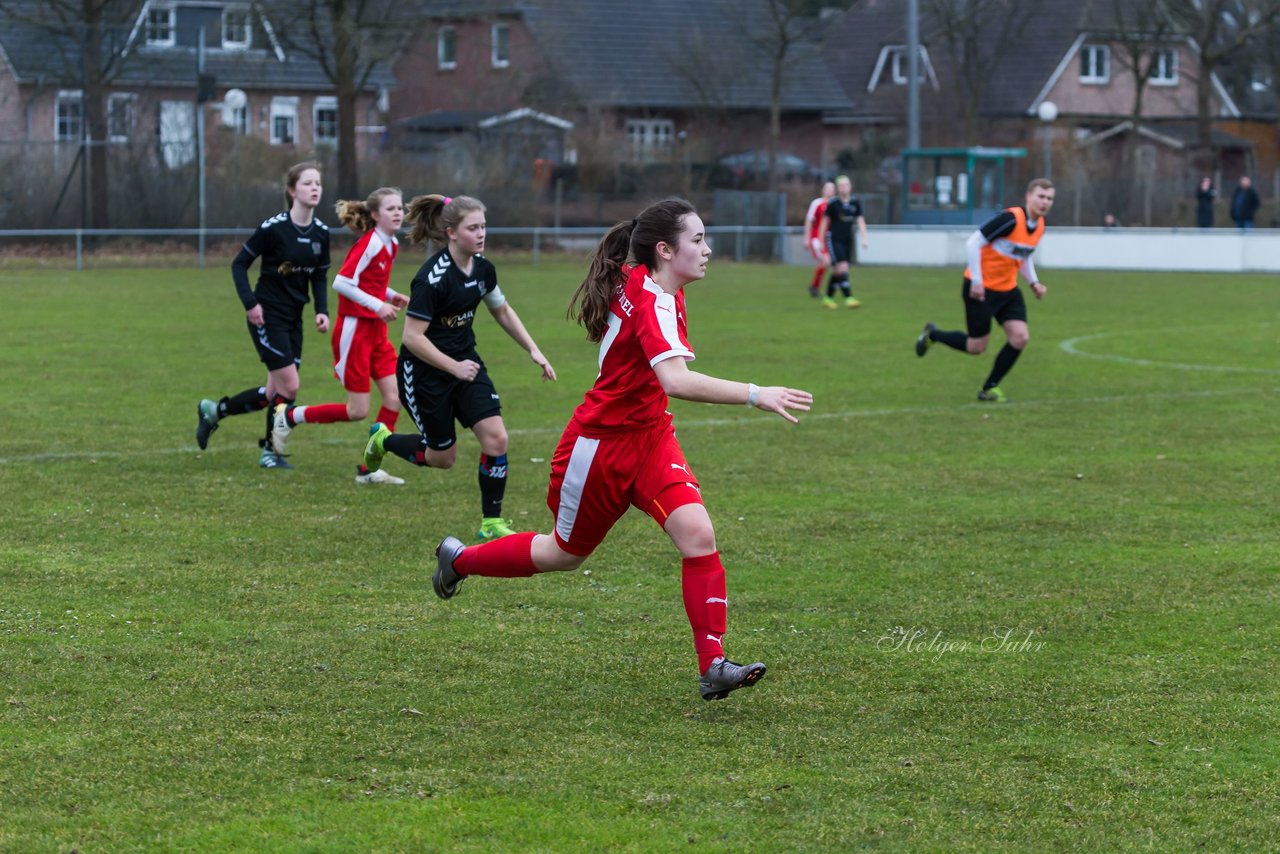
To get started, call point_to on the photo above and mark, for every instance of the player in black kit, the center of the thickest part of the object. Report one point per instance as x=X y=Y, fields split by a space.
x=440 y=375
x=294 y=248
x=843 y=211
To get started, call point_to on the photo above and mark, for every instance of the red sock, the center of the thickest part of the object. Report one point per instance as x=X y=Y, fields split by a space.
x=506 y=557
x=706 y=604
x=817 y=276
x=320 y=413
x=387 y=417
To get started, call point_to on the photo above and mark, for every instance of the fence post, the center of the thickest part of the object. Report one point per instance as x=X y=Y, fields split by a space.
x=537 y=239
x=742 y=231
x=79 y=250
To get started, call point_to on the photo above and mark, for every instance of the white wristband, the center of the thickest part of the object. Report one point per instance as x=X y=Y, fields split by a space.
x=753 y=394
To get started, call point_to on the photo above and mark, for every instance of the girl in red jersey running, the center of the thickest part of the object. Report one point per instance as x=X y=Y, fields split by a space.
x=620 y=447
x=362 y=348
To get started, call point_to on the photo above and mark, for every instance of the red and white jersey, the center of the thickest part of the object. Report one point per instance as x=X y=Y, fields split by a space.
x=367 y=269
x=646 y=326
x=813 y=219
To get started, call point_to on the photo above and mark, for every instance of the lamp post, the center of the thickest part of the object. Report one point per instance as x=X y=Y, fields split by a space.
x=1048 y=111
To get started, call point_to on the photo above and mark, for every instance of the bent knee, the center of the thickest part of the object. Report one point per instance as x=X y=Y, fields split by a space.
x=1018 y=342
x=357 y=412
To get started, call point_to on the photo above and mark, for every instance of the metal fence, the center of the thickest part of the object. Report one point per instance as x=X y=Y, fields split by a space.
x=57 y=246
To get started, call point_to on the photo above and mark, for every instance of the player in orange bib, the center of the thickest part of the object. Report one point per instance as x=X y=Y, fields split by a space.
x=998 y=252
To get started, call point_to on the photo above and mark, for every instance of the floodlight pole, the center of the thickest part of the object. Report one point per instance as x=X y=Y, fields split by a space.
x=913 y=73
x=200 y=182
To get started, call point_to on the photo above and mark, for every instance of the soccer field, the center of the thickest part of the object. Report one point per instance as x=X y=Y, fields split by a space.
x=1047 y=625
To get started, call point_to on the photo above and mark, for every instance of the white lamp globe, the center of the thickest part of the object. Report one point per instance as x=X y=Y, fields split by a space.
x=1048 y=111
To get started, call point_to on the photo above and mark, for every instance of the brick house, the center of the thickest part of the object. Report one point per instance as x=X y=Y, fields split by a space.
x=151 y=92
x=1075 y=56
x=636 y=87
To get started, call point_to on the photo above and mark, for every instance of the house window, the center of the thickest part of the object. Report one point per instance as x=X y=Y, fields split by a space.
x=500 y=51
x=1164 y=67
x=159 y=26
x=235 y=28
x=237 y=119
x=68 y=117
x=284 y=120
x=1095 y=63
x=650 y=136
x=326 y=119
x=120 y=116
x=446 y=48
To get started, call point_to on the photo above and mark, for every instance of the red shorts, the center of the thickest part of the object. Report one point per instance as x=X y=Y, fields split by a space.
x=594 y=481
x=361 y=350
x=815 y=247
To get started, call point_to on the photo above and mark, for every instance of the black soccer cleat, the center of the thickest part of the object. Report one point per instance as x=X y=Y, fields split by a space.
x=923 y=341
x=724 y=676
x=207 y=421
x=445 y=579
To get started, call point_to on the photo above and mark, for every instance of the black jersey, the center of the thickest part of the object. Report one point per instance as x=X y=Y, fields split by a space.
x=843 y=217
x=292 y=257
x=447 y=299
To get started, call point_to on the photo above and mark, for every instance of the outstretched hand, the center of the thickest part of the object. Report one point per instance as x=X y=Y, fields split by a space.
x=548 y=372
x=779 y=399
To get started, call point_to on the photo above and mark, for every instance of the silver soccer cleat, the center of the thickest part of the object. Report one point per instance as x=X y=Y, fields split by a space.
x=724 y=676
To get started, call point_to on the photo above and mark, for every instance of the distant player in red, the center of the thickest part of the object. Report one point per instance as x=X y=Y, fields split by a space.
x=362 y=348
x=619 y=449
x=812 y=225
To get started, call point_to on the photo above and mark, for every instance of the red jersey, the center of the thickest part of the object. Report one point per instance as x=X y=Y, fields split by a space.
x=646 y=326
x=813 y=219
x=368 y=267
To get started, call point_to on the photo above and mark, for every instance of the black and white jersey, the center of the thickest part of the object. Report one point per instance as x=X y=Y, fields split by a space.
x=293 y=259
x=843 y=217
x=447 y=299
x=1003 y=224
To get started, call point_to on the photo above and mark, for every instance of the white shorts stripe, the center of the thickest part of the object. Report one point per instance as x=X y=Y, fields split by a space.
x=575 y=481
x=349 y=325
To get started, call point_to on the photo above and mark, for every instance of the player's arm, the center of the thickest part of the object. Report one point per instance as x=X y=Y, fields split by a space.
x=320 y=293
x=823 y=228
x=862 y=229
x=510 y=322
x=998 y=226
x=349 y=287
x=415 y=338
x=680 y=382
x=1028 y=269
x=244 y=259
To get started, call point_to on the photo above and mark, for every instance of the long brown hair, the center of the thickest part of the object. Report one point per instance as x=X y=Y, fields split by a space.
x=636 y=241
x=431 y=216
x=359 y=216
x=291 y=178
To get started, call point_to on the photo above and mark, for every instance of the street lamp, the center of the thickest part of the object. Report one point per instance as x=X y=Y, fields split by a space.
x=1048 y=111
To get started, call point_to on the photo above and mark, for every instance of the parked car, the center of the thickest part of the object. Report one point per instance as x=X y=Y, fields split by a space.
x=755 y=164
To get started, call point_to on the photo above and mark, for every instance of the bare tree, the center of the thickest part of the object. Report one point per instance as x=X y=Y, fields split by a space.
x=1142 y=28
x=89 y=39
x=1221 y=29
x=975 y=35
x=349 y=39
x=781 y=28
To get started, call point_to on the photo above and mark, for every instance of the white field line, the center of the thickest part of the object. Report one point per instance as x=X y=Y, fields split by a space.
x=1070 y=347
x=687 y=424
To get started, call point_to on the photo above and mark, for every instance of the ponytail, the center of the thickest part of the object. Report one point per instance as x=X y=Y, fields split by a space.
x=430 y=217
x=359 y=216
x=636 y=241
x=589 y=305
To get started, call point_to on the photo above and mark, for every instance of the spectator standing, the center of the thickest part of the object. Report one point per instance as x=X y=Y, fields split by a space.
x=1244 y=204
x=1205 y=196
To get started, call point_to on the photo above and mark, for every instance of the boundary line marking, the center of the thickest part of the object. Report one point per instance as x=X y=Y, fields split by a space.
x=93 y=456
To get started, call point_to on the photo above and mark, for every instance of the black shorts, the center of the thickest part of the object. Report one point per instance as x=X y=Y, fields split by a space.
x=435 y=399
x=278 y=340
x=839 y=251
x=1002 y=305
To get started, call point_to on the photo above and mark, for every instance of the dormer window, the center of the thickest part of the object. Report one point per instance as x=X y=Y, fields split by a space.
x=160 y=26
x=500 y=50
x=894 y=66
x=1095 y=64
x=236 y=32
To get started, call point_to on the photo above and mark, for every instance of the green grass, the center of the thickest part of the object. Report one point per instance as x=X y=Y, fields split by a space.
x=199 y=655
